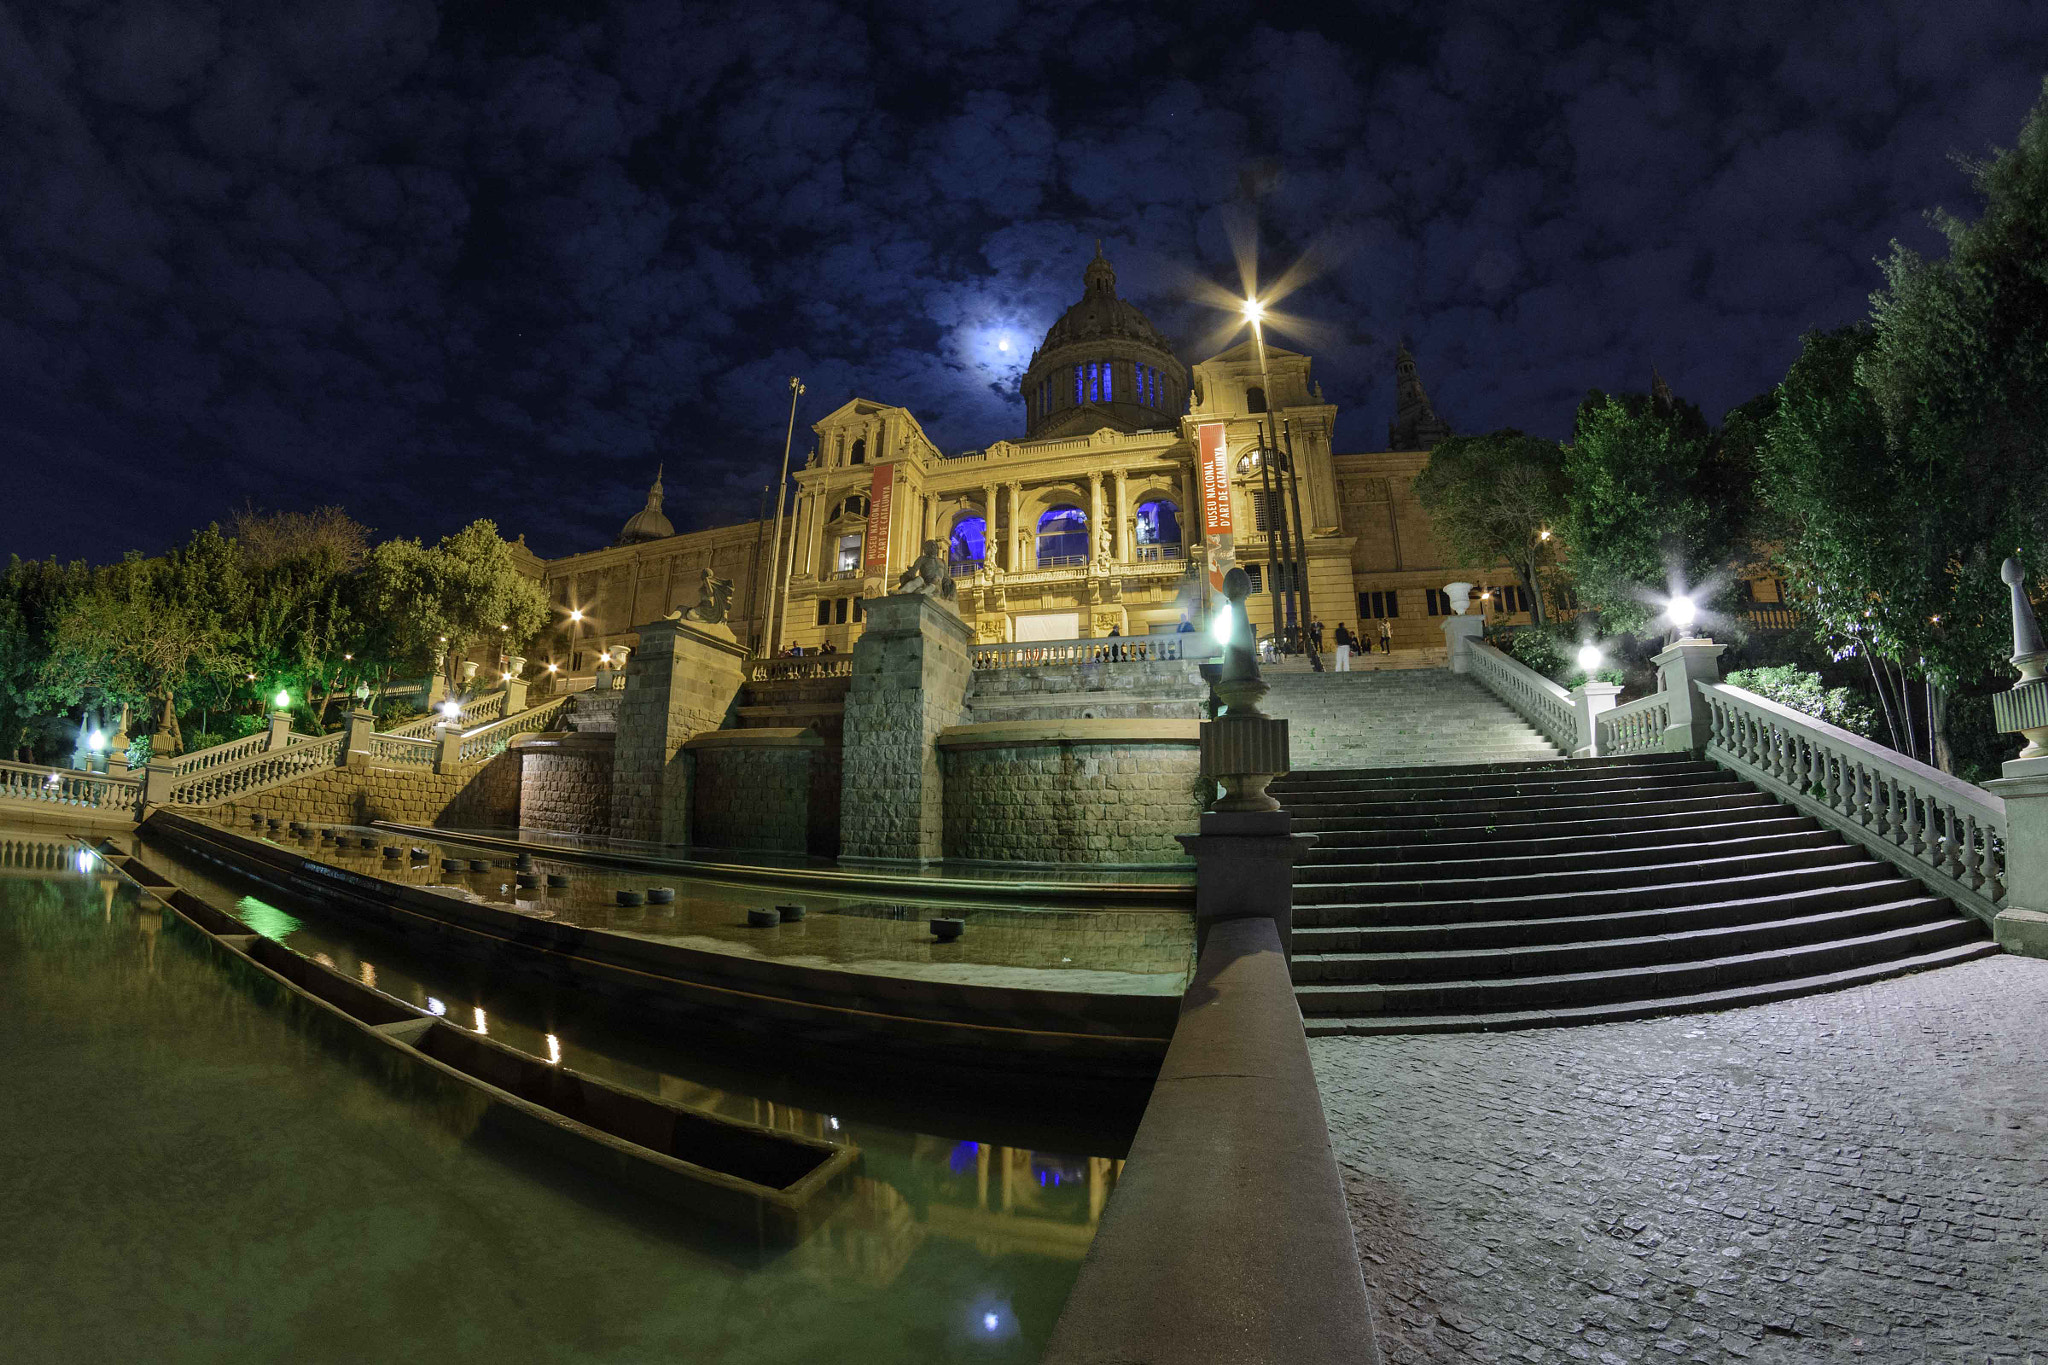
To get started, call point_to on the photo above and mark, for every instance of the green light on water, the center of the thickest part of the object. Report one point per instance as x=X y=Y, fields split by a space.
x=265 y=919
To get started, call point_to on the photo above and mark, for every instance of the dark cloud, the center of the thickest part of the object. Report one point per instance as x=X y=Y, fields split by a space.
x=437 y=261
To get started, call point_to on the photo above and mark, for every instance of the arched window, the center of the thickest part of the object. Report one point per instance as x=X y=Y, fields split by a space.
x=1063 y=536
x=860 y=452
x=1108 y=388
x=1254 y=399
x=854 y=506
x=849 y=552
x=1158 y=523
x=1080 y=385
x=969 y=543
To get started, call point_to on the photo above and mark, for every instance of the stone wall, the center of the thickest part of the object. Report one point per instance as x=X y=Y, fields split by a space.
x=1149 y=689
x=565 y=784
x=594 y=712
x=484 y=796
x=752 y=789
x=1082 y=798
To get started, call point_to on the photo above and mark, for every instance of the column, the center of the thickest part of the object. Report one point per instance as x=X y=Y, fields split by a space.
x=1190 y=510
x=988 y=530
x=1016 y=555
x=1094 y=510
x=1124 y=549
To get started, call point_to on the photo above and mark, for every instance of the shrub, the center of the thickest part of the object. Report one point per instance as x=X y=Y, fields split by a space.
x=397 y=713
x=1804 y=692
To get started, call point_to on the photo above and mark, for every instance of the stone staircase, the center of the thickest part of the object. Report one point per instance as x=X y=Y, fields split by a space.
x=1397 y=718
x=1516 y=895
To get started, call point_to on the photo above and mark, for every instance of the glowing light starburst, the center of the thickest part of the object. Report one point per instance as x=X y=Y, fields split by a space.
x=1254 y=305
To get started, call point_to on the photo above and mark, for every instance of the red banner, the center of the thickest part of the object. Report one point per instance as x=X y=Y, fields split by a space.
x=1215 y=480
x=880 y=494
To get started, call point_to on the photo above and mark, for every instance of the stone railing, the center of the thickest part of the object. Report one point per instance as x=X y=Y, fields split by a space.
x=1190 y=644
x=490 y=740
x=1162 y=552
x=270 y=768
x=26 y=784
x=1637 y=728
x=219 y=755
x=1535 y=698
x=1938 y=829
x=803 y=667
x=1770 y=616
x=475 y=711
x=401 y=751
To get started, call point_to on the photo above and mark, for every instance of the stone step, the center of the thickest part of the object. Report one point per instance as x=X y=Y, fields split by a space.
x=1432 y=773
x=1617 y=984
x=1415 y=939
x=1756 y=993
x=1592 y=817
x=1318 y=903
x=1571 y=799
x=1469 y=847
x=1515 y=875
x=1652 y=950
x=1318 y=787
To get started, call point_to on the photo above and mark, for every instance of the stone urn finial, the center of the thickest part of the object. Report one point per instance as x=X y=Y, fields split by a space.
x=2029 y=655
x=1243 y=749
x=2023 y=709
x=1240 y=687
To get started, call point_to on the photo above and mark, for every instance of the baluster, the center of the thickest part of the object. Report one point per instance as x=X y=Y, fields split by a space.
x=1972 y=876
x=1859 y=796
x=1994 y=866
x=1893 y=826
x=1781 y=758
x=1915 y=840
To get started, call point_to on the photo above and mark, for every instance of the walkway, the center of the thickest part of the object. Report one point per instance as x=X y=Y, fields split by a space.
x=1859 y=1175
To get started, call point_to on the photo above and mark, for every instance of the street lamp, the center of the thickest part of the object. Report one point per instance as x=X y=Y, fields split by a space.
x=1589 y=657
x=778 y=610
x=1294 y=548
x=1682 y=611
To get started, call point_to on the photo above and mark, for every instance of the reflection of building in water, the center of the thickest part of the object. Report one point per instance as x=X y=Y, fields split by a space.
x=27 y=855
x=868 y=1239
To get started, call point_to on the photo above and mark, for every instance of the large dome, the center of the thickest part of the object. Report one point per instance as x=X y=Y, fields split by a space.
x=1102 y=364
x=648 y=523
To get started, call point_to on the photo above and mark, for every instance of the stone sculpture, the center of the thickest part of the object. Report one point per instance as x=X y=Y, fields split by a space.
x=928 y=577
x=714 y=601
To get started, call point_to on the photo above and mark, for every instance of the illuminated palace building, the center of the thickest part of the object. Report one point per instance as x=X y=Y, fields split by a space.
x=1092 y=522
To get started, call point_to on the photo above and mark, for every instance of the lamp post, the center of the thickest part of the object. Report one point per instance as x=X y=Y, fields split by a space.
x=1308 y=642
x=1255 y=314
x=776 y=607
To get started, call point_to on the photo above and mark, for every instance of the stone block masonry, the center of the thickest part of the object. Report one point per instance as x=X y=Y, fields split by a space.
x=682 y=683
x=910 y=674
x=565 y=783
x=481 y=796
x=753 y=788
x=1122 y=689
x=1078 y=791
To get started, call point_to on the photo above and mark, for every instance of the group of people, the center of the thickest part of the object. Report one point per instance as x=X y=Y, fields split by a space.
x=799 y=652
x=1346 y=641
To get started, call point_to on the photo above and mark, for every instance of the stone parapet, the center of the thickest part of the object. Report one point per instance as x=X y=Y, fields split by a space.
x=485 y=796
x=565 y=782
x=1151 y=689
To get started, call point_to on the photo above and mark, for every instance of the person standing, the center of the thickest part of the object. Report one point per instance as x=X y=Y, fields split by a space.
x=1315 y=635
x=1386 y=636
x=1343 y=648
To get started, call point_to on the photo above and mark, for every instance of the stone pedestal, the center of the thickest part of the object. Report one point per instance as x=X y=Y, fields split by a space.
x=1690 y=724
x=2022 y=927
x=1244 y=869
x=681 y=683
x=362 y=724
x=1591 y=700
x=280 y=730
x=158 y=776
x=911 y=668
x=1460 y=631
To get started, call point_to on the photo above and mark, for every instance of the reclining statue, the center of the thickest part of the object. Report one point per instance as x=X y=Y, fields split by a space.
x=714 y=601
x=928 y=576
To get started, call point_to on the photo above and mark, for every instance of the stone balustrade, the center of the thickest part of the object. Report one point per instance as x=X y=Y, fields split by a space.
x=398 y=751
x=220 y=755
x=803 y=667
x=256 y=772
x=1939 y=829
x=489 y=740
x=67 y=789
x=1185 y=645
x=1637 y=728
x=1546 y=706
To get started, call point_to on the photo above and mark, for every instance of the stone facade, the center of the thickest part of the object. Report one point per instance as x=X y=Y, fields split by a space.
x=565 y=785
x=910 y=675
x=484 y=796
x=751 y=789
x=1067 y=801
x=681 y=682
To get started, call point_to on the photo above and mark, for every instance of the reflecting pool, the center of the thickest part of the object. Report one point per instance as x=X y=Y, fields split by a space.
x=192 y=1180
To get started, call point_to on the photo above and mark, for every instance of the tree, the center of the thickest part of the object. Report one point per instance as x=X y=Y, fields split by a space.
x=269 y=539
x=1493 y=499
x=465 y=590
x=1658 y=500
x=1907 y=457
x=34 y=596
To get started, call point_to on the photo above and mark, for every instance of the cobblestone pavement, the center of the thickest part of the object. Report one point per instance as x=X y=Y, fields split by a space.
x=1861 y=1175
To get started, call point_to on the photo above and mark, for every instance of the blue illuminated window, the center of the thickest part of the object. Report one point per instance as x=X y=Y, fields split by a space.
x=1080 y=383
x=1108 y=395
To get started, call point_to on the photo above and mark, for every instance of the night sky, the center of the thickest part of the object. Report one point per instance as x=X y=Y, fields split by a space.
x=435 y=262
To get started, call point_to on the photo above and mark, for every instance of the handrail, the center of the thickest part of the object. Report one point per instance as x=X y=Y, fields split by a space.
x=1637 y=728
x=1181 y=645
x=68 y=787
x=488 y=741
x=1535 y=698
x=403 y=751
x=801 y=667
x=1938 y=829
x=257 y=772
